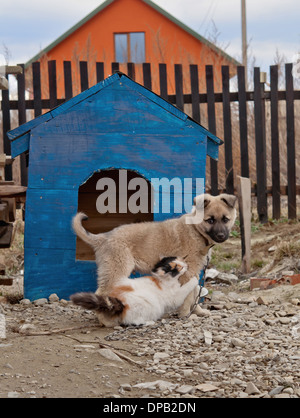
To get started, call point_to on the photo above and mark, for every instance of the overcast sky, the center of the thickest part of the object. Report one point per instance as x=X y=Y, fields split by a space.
x=27 y=26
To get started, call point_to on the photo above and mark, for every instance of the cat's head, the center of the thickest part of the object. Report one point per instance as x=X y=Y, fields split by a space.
x=169 y=266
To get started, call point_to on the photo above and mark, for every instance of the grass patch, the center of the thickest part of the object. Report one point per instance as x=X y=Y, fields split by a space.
x=287 y=249
x=257 y=263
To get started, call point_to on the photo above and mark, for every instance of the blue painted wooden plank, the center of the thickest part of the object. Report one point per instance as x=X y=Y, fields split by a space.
x=49 y=271
x=59 y=164
x=116 y=109
x=153 y=97
x=86 y=95
x=212 y=150
x=48 y=219
x=26 y=127
x=204 y=131
x=103 y=106
x=20 y=145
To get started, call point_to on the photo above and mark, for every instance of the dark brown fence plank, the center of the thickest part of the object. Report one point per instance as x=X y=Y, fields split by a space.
x=243 y=122
x=21 y=120
x=179 y=86
x=195 y=98
x=99 y=71
x=212 y=125
x=163 y=81
x=291 y=154
x=84 y=78
x=275 y=143
x=37 y=93
x=52 y=84
x=5 y=128
x=131 y=70
x=227 y=131
x=260 y=141
x=194 y=76
x=115 y=66
x=147 y=75
x=68 y=80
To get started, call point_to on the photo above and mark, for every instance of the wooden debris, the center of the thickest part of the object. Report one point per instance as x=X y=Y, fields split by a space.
x=266 y=283
x=6 y=234
x=5 y=281
x=244 y=194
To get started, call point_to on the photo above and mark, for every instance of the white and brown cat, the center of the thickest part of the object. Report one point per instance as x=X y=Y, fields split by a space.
x=136 y=301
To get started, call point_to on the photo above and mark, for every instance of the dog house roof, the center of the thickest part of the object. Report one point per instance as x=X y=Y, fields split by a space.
x=20 y=137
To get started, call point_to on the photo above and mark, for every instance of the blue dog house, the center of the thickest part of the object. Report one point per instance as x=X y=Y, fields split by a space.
x=115 y=133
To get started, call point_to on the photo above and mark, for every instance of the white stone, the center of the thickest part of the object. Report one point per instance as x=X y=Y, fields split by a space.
x=40 y=302
x=161 y=356
x=206 y=387
x=109 y=354
x=251 y=389
x=207 y=337
x=184 y=389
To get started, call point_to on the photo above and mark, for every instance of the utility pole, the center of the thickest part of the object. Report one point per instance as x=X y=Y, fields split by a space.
x=244 y=38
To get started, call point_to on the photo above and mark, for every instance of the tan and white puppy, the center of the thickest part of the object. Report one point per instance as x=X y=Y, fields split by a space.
x=140 y=246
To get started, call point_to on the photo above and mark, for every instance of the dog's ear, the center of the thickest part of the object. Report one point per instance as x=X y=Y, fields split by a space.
x=203 y=200
x=229 y=199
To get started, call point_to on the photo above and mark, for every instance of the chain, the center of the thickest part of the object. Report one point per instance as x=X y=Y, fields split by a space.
x=194 y=306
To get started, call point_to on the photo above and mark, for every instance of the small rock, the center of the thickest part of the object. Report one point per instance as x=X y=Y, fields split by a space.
x=40 y=302
x=126 y=386
x=13 y=395
x=8 y=366
x=160 y=384
x=161 y=356
x=53 y=298
x=187 y=372
x=109 y=354
x=272 y=249
x=25 y=302
x=236 y=342
x=207 y=337
x=227 y=278
x=206 y=387
x=211 y=274
x=295 y=301
x=261 y=301
x=284 y=320
x=251 y=389
x=184 y=389
x=64 y=302
x=276 y=390
x=26 y=328
x=288 y=390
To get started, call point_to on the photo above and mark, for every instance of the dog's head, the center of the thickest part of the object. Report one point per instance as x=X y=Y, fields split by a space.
x=217 y=214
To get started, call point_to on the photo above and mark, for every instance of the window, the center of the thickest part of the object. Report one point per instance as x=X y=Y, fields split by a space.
x=130 y=47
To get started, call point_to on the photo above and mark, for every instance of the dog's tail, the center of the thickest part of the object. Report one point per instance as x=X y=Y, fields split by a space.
x=106 y=304
x=81 y=232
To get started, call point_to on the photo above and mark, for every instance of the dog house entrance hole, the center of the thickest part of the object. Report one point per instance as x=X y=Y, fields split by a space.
x=104 y=222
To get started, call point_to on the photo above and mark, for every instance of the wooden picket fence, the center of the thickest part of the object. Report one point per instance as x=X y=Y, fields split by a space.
x=257 y=99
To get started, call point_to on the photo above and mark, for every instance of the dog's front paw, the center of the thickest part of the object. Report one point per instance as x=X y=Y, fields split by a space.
x=201 y=312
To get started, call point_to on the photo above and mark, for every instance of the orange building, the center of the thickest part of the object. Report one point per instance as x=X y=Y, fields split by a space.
x=133 y=31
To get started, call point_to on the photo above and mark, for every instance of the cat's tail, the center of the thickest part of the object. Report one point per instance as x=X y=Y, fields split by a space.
x=81 y=232
x=106 y=304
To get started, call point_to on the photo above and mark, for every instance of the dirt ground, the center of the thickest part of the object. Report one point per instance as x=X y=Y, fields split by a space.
x=56 y=350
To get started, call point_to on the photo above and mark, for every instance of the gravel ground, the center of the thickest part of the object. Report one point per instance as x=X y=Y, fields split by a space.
x=242 y=347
